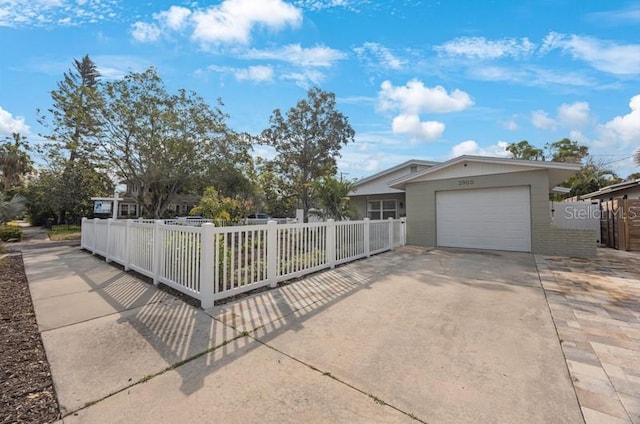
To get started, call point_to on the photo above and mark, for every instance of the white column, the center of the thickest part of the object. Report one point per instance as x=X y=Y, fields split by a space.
x=207 y=277
x=331 y=243
x=157 y=251
x=367 y=238
x=390 y=221
x=272 y=253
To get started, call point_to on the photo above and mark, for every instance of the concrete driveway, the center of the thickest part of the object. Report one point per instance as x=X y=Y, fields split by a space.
x=406 y=336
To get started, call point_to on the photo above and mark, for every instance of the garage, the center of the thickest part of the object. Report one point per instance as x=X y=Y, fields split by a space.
x=497 y=218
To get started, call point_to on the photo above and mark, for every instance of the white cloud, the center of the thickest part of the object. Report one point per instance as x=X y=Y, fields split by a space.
x=529 y=75
x=384 y=57
x=174 y=18
x=319 y=56
x=145 y=33
x=630 y=14
x=471 y=147
x=603 y=55
x=540 y=119
x=233 y=20
x=481 y=48
x=574 y=115
x=305 y=78
x=12 y=124
x=510 y=125
x=49 y=13
x=415 y=97
x=417 y=130
x=255 y=73
x=117 y=66
x=230 y=22
x=625 y=128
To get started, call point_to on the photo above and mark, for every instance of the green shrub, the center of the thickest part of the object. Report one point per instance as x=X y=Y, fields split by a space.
x=10 y=232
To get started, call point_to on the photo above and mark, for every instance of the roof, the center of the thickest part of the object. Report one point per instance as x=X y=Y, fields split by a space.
x=564 y=170
x=393 y=169
x=612 y=189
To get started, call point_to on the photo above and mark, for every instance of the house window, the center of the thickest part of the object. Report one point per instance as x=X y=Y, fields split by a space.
x=413 y=169
x=382 y=209
x=127 y=210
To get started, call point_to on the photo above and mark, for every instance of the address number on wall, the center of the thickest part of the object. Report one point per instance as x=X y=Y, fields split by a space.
x=465 y=182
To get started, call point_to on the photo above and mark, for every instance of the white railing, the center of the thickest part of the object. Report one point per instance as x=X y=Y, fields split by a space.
x=211 y=263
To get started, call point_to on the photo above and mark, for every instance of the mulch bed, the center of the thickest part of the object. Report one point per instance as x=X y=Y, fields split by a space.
x=26 y=388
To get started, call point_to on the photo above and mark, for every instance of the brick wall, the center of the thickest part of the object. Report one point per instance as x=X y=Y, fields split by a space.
x=554 y=241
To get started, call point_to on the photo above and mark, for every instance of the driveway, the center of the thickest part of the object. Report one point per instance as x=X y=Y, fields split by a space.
x=596 y=308
x=436 y=336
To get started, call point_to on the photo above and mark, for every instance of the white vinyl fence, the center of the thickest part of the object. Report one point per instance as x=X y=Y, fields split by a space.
x=211 y=263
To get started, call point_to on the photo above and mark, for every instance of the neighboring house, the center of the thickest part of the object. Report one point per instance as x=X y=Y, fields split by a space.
x=627 y=190
x=128 y=206
x=373 y=198
x=490 y=203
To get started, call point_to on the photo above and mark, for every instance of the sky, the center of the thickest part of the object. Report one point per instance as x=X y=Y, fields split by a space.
x=417 y=79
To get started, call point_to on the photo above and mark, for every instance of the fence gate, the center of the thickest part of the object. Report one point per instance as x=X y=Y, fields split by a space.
x=620 y=224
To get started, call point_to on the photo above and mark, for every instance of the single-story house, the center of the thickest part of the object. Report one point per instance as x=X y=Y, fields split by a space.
x=489 y=203
x=373 y=198
x=625 y=190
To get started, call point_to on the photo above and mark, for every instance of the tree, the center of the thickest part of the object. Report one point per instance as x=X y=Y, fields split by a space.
x=74 y=115
x=566 y=150
x=592 y=177
x=525 y=151
x=162 y=143
x=633 y=177
x=272 y=194
x=307 y=141
x=10 y=209
x=332 y=198
x=74 y=120
x=15 y=162
x=219 y=208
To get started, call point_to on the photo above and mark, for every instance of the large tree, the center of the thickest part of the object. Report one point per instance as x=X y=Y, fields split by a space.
x=566 y=150
x=74 y=122
x=307 y=141
x=160 y=142
x=592 y=177
x=525 y=151
x=74 y=117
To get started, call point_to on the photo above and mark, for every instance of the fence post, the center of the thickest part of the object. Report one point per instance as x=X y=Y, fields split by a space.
x=157 y=251
x=403 y=231
x=331 y=243
x=107 y=256
x=127 y=245
x=390 y=221
x=95 y=235
x=207 y=278
x=367 y=238
x=83 y=226
x=272 y=253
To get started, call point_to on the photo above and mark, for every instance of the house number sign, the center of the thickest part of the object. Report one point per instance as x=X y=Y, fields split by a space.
x=465 y=182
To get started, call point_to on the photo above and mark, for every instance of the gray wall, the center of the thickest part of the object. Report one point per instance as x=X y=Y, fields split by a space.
x=421 y=213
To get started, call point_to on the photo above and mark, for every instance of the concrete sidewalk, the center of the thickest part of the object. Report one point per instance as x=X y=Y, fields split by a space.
x=406 y=336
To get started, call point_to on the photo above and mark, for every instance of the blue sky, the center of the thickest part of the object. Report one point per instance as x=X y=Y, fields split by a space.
x=417 y=79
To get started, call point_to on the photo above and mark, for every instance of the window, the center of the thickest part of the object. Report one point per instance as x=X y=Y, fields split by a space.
x=382 y=209
x=413 y=169
x=127 y=210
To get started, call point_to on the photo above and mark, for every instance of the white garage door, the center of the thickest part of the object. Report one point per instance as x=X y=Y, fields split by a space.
x=492 y=218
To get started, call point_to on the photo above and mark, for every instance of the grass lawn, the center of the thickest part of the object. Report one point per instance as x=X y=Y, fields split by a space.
x=64 y=232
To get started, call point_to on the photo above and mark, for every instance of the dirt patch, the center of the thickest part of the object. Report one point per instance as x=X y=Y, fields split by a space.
x=26 y=388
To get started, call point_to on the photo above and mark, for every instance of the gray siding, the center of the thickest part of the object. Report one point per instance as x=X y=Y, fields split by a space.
x=421 y=203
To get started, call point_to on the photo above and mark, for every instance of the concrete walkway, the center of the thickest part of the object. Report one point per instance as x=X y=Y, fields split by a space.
x=596 y=308
x=406 y=336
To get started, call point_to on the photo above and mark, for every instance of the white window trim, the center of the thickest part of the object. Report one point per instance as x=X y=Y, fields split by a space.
x=381 y=211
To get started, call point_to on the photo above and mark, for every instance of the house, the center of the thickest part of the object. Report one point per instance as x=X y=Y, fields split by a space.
x=372 y=196
x=625 y=190
x=490 y=203
x=128 y=207
x=475 y=202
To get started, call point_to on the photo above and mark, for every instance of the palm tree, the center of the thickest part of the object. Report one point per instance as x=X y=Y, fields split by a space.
x=332 y=197
x=9 y=209
x=15 y=162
